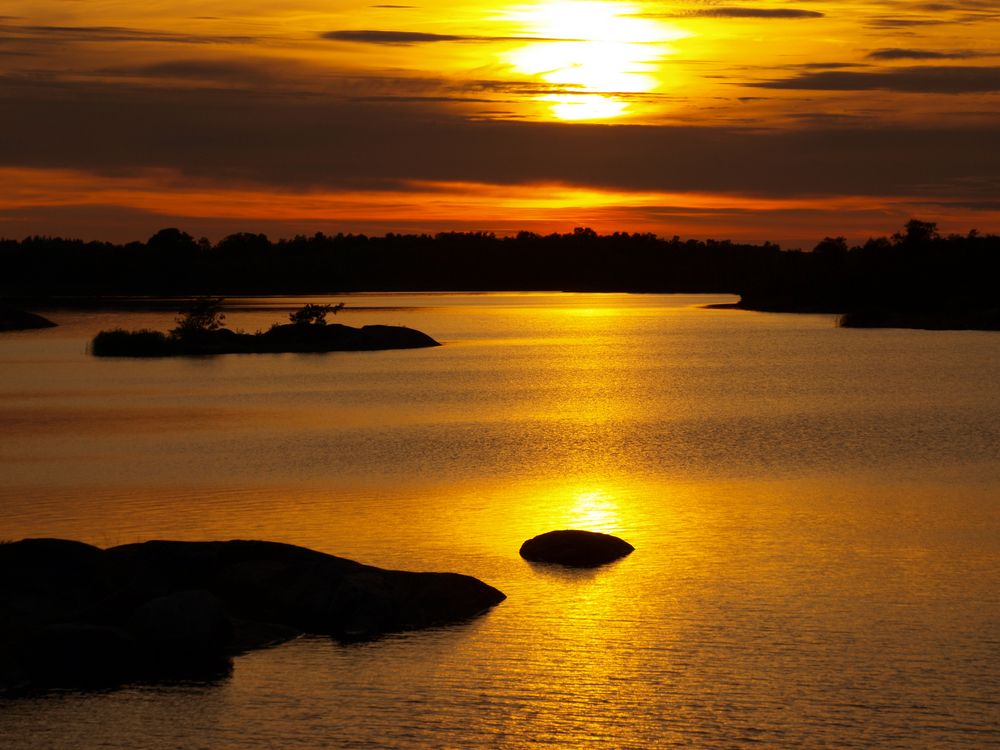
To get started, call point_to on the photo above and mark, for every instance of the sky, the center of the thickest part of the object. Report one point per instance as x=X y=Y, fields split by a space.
x=750 y=120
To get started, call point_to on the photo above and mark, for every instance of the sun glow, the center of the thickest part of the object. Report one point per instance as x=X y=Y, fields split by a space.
x=604 y=52
x=594 y=510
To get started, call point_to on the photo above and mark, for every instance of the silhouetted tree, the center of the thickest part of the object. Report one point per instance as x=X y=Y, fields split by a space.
x=205 y=315
x=314 y=315
x=831 y=246
x=917 y=232
x=171 y=240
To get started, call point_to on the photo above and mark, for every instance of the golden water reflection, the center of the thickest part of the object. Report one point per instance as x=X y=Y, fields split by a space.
x=594 y=511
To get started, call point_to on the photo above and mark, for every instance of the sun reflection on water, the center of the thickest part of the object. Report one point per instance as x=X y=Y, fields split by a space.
x=595 y=510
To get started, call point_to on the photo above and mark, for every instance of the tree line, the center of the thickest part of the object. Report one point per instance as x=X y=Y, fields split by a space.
x=913 y=268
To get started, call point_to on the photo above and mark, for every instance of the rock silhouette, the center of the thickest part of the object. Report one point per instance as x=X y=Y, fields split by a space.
x=12 y=319
x=575 y=548
x=278 y=340
x=73 y=615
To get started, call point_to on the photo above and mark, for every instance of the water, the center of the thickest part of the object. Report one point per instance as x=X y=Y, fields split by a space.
x=815 y=510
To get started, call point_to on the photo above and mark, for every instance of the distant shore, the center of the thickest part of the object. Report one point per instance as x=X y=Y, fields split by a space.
x=976 y=319
x=915 y=278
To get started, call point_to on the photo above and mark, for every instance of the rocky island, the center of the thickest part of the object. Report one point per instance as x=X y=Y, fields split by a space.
x=74 y=615
x=201 y=331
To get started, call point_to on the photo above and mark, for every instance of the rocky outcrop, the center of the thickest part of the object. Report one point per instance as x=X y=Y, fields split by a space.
x=12 y=319
x=578 y=549
x=336 y=337
x=72 y=615
x=280 y=339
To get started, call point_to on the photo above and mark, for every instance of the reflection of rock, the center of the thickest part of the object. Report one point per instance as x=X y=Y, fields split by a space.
x=75 y=615
x=578 y=549
x=12 y=319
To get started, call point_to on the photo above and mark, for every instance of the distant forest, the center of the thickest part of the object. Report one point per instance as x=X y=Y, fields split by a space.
x=913 y=270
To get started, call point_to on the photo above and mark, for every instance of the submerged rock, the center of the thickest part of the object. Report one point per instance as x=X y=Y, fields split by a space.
x=578 y=549
x=73 y=615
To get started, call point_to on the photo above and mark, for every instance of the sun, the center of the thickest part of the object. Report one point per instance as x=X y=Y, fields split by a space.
x=596 y=55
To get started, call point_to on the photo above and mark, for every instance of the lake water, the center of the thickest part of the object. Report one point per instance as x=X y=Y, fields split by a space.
x=816 y=513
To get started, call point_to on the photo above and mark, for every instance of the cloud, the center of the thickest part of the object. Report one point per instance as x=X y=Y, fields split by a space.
x=393 y=37
x=902 y=23
x=268 y=138
x=113 y=34
x=200 y=70
x=377 y=36
x=966 y=6
x=827 y=65
x=741 y=12
x=919 y=80
x=738 y=12
x=896 y=53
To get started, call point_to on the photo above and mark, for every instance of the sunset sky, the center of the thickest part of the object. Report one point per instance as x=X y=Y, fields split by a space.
x=751 y=120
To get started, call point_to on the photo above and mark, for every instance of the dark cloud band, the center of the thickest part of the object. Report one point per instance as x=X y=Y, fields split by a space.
x=916 y=80
x=271 y=139
x=378 y=36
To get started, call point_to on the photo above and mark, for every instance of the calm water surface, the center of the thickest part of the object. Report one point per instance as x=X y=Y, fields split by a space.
x=816 y=513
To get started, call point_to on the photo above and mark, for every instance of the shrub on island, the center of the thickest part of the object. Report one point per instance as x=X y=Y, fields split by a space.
x=143 y=343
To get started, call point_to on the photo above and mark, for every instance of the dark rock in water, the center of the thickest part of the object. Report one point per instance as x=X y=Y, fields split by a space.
x=292 y=337
x=12 y=319
x=73 y=655
x=51 y=580
x=73 y=615
x=578 y=549
x=281 y=339
x=304 y=589
x=185 y=634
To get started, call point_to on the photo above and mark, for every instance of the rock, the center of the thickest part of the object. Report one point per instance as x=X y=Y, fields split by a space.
x=73 y=615
x=280 y=339
x=250 y=635
x=394 y=337
x=293 y=337
x=185 y=634
x=12 y=319
x=578 y=549
x=73 y=655
x=303 y=589
x=46 y=581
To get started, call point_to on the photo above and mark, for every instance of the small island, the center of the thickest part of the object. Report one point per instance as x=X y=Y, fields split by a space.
x=201 y=332
x=575 y=548
x=12 y=319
